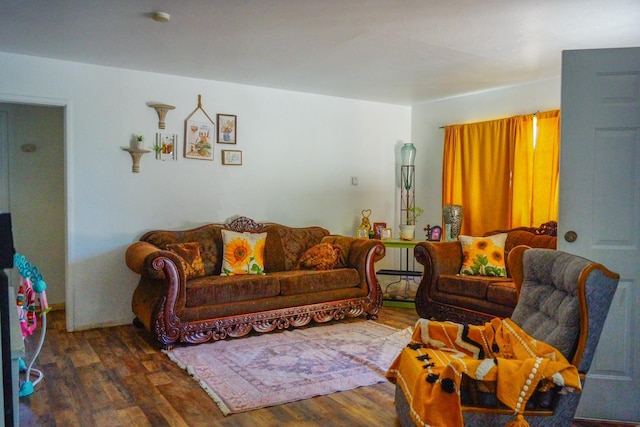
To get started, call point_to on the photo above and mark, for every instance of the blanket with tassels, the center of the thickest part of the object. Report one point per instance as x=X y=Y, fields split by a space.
x=429 y=370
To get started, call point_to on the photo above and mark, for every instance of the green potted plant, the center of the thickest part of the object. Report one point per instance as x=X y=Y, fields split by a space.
x=138 y=142
x=408 y=230
x=158 y=149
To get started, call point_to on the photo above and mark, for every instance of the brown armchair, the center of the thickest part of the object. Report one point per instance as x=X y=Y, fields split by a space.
x=444 y=294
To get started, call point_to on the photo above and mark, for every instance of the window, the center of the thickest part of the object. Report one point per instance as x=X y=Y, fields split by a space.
x=503 y=172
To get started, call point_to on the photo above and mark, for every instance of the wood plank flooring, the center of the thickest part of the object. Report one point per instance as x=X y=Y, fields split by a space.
x=119 y=377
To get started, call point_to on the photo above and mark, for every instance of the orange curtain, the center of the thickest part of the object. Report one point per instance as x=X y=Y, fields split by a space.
x=546 y=169
x=498 y=175
x=522 y=175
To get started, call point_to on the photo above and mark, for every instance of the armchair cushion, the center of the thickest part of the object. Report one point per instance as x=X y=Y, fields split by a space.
x=483 y=256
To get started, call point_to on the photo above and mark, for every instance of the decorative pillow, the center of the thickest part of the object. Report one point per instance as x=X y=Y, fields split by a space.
x=243 y=253
x=189 y=254
x=323 y=256
x=483 y=256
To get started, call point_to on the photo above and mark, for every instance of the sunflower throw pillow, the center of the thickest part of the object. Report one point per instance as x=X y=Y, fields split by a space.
x=323 y=256
x=243 y=253
x=483 y=256
x=189 y=254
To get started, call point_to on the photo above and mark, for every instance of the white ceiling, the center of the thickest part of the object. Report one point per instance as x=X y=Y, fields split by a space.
x=393 y=51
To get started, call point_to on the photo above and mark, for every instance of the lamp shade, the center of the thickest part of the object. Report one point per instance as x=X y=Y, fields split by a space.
x=408 y=154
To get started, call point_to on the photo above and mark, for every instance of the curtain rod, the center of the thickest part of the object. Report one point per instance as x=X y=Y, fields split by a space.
x=442 y=127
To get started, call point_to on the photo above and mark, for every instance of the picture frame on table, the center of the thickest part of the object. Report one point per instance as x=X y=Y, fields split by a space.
x=227 y=128
x=377 y=226
x=435 y=234
x=386 y=234
x=198 y=137
x=231 y=157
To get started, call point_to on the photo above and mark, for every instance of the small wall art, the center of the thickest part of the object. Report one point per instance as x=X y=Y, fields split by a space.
x=232 y=157
x=197 y=140
x=227 y=128
x=166 y=146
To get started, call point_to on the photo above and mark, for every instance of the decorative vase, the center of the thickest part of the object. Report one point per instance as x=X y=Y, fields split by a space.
x=452 y=215
x=408 y=154
x=407 y=232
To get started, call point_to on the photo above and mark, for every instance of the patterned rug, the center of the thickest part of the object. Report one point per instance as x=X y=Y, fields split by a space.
x=265 y=370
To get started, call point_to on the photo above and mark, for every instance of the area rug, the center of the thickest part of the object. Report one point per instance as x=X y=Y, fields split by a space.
x=265 y=370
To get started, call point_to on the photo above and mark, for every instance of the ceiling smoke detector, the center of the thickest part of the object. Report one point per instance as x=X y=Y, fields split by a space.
x=160 y=16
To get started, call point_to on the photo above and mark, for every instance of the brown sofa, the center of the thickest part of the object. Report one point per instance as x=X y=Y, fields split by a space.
x=443 y=294
x=214 y=307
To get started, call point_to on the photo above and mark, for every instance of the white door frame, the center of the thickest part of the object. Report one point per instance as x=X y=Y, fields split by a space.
x=68 y=166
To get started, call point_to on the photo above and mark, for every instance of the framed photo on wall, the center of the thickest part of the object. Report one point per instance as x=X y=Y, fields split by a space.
x=232 y=157
x=166 y=147
x=197 y=140
x=227 y=128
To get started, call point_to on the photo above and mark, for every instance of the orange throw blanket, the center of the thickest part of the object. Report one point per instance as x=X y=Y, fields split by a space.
x=429 y=370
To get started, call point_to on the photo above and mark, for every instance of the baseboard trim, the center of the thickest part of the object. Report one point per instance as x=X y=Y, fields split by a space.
x=58 y=306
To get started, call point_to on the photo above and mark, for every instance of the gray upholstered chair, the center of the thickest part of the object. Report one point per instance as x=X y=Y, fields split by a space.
x=564 y=300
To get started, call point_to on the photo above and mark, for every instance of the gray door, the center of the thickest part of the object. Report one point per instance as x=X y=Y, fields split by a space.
x=600 y=201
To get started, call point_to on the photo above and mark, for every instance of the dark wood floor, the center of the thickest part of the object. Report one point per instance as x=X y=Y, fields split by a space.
x=118 y=377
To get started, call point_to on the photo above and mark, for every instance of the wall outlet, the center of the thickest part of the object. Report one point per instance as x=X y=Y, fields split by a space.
x=354 y=180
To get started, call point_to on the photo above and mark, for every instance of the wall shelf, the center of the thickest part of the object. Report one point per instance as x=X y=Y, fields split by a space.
x=136 y=155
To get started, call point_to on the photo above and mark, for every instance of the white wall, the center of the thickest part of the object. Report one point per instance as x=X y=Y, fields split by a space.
x=299 y=152
x=429 y=138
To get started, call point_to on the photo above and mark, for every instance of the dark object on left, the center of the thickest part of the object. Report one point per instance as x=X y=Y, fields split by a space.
x=6 y=241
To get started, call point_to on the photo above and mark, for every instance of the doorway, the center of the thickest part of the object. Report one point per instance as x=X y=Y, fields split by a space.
x=32 y=189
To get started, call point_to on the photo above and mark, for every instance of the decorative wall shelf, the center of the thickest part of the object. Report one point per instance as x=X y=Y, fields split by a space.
x=162 y=110
x=136 y=155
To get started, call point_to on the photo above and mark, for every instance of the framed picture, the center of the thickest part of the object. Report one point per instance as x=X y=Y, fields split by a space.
x=166 y=147
x=227 y=128
x=386 y=233
x=197 y=140
x=232 y=157
x=435 y=234
x=377 y=226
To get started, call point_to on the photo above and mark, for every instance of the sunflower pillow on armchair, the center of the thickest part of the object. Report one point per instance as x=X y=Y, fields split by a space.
x=243 y=253
x=483 y=256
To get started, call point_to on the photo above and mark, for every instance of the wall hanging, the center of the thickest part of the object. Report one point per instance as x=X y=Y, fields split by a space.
x=166 y=146
x=162 y=110
x=227 y=128
x=198 y=135
x=232 y=157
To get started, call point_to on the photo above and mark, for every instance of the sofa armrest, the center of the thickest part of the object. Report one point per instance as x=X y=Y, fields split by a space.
x=140 y=258
x=437 y=258
x=162 y=279
x=516 y=267
x=362 y=254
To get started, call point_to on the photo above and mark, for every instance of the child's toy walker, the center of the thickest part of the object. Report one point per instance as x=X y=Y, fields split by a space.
x=31 y=287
